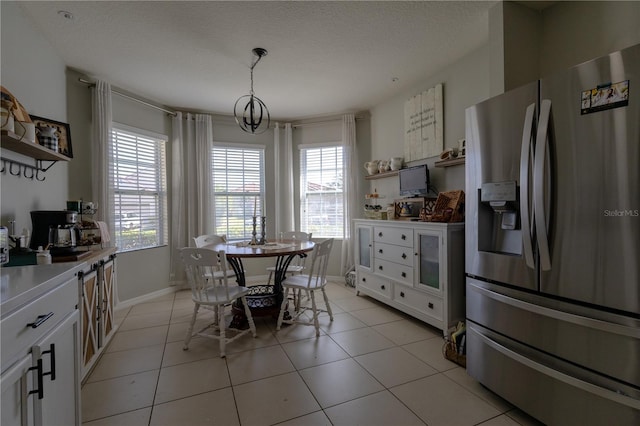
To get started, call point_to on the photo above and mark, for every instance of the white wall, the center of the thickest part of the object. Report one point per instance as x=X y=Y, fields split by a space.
x=36 y=76
x=465 y=83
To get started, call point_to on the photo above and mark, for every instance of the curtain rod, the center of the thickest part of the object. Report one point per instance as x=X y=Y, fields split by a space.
x=124 y=95
x=318 y=122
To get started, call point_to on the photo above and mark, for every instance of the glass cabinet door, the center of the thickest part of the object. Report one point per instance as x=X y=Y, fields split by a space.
x=429 y=259
x=364 y=252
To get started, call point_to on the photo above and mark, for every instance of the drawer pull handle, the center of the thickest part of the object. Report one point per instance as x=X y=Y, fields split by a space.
x=404 y=275
x=364 y=280
x=380 y=267
x=430 y=305
x=52 y=354
x=404 y=237
x=379 y=234
x=40 y=320
x=40 y=390
x=404 y=256
x=402 y=294
x=380 y=251
x=382 y=287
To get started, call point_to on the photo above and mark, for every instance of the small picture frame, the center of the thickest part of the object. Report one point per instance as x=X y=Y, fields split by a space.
x=63 y=131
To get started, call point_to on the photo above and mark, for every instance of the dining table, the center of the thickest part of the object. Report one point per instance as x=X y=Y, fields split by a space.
x=263 y=299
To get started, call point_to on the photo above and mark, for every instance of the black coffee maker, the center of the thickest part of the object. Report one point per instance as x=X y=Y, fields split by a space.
x=56 y=228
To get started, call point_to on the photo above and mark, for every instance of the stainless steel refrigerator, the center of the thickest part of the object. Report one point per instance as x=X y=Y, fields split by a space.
x=553 y=244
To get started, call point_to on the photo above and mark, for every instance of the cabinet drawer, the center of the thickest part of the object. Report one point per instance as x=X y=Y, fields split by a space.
x=397 y=254
x=374 y=283
x=425 y=303
x=394 y=271
x=17 y=336
x=396 y=236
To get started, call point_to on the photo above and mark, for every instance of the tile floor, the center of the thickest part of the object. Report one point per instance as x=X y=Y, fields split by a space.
x=372 y=365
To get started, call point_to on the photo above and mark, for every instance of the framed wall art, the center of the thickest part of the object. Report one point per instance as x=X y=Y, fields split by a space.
x=62 y=131
x=423 y=125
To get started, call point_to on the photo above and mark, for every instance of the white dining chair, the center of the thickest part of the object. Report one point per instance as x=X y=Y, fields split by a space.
x=309 y=284
x=297 y=265
x=200 y=263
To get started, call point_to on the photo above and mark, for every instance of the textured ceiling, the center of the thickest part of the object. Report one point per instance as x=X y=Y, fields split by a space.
x=324 y=57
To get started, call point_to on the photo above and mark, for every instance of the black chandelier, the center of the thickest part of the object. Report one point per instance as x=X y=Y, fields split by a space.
x=251 y=117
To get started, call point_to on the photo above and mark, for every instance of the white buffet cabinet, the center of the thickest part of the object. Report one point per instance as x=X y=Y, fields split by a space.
x=416 y=267
x=40 y=352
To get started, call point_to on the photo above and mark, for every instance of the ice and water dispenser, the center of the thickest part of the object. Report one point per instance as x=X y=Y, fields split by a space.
x=499 y=218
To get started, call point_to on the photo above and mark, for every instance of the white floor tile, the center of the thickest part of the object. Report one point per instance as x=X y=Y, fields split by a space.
x=119 y=395
x=377 y=315
x=192 y=378
x=339 y=381
x=211 y=408
x=437 y=400
x=273 y=400
x=135 y=322
x=361 y=341
x=394 y=366
x=199 y=348
x=258 y=364
x=319 y=418
x=308 y=353
x=430 y=351
x=122 y=363
x=341 y=322
x=460 y=376
x=149 y=307
x=125 y=340
x=406 y=331
x=380 y=408
x=132 y=418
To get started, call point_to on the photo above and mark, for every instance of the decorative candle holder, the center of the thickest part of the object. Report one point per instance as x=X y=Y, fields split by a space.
x=254 y=241
x=263 y=229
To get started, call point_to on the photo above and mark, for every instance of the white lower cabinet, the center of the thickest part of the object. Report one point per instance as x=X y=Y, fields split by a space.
x=42 y=385
x=416 y=267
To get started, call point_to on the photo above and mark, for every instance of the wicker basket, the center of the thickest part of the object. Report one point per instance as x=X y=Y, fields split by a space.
x=449 y=351
x=449 y=207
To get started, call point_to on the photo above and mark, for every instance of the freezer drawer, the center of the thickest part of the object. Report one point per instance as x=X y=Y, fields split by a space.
x=597 y=340
x=554 y=392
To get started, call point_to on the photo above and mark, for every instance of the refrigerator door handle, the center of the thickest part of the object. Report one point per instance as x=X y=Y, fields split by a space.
x=525 y=161
x=542 y=143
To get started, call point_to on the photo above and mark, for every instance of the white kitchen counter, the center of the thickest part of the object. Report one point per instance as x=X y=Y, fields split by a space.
x=21 y=284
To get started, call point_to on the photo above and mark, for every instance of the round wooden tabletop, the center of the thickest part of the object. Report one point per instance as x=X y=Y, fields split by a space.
x=270 y=249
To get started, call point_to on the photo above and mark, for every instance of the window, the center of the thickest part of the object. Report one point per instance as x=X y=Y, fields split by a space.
x=321 y=188
x=140 y=190
x=238 y=186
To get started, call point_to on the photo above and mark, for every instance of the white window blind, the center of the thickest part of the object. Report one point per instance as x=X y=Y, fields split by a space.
x=238 y=182
x=321 y=191
x=140 y=190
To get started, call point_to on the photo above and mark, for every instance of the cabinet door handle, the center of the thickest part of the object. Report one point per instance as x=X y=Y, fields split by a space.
x=40 y=389
x=380 y=251
x=404 y=256
x=380 y=267
x=402 y=294
x=382 y=287
x=379 y=234
x=404 y=237
x=40 y=320
x=52 y=355
x=364 y=280
x=404 y=275
x=430 y=305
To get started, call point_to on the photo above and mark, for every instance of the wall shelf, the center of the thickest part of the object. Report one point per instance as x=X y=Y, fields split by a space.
x=450 y=162
x=12 y=142
x=382 y=175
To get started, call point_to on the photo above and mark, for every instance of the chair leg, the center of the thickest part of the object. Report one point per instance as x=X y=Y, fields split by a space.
x=316 y=323
x=283 y=306
x=269 y=279
x=223 y=337
x=326 y=302
x=247 y=312
x=187 y=338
